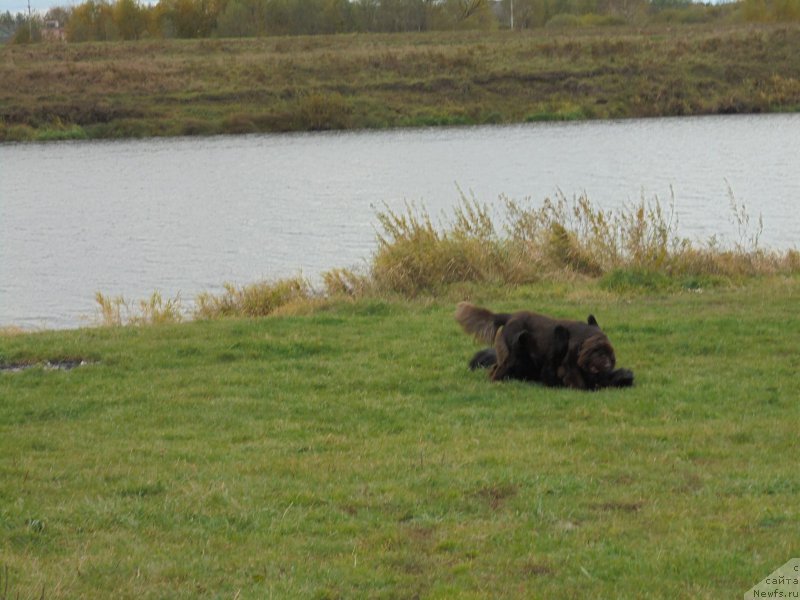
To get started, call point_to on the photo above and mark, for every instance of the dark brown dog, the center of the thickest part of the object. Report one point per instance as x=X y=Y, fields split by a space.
x=533 y=347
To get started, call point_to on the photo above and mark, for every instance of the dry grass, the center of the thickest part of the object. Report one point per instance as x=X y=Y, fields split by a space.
x=110 y=310
x=342 y=282
x=255 y=300
x=155 y=310
x=285 y=296
x=12 y=330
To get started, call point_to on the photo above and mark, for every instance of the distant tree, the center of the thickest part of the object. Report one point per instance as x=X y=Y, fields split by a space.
x=337 y=16
x=8 y=26
x=582 y=7
x=461 y=14
x=28 y=31
x=159 y=24
x=91 y=21
x=60 y=14
x=771 y=10
x=305 y=17
x=130 y=19
x=664 y=4
x=623 y=8
x=403 y=15
x=786 y=10
x=189 y=18
x=278 y=17
x=243 y=18
x=365 y=14
x=531 y=13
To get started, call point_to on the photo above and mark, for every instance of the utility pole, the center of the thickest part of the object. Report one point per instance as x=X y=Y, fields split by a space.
x=512 y=14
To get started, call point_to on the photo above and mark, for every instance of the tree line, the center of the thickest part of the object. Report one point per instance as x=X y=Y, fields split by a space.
x=103 y=20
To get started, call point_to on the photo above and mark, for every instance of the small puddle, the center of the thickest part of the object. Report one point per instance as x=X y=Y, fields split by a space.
x=47 y=365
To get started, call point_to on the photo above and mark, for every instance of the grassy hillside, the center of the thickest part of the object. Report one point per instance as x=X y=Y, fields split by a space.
x=371 y=81
x=349 y=453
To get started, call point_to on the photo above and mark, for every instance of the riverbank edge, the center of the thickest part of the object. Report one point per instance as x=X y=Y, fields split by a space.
x=143 y=130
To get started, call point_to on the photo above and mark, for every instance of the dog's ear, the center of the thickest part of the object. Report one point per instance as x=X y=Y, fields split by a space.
x=521 y=341
x=500 y=348
x=592 y=321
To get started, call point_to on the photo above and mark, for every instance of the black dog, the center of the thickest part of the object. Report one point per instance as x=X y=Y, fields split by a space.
x=533 y=347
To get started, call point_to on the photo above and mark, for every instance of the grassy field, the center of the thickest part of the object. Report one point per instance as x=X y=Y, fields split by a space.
x=168 y=88
x=348 y=453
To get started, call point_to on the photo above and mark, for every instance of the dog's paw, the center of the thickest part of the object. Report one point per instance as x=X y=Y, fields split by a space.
x=621 y=378
x=483 y=359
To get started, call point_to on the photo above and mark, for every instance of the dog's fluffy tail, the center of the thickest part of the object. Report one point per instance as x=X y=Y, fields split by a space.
x=480 y=322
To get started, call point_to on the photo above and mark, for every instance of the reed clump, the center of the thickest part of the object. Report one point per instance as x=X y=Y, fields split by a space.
x=525 y=243
x=342 y=282
x=109 y=309
x=320 y=112
x=254 y=300
x=156 y=310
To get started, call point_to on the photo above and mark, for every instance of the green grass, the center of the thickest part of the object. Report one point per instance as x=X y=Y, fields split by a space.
x=213 y=86
x=349 y=453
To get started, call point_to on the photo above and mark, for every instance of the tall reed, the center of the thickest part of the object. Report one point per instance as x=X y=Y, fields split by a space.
x=117 y=311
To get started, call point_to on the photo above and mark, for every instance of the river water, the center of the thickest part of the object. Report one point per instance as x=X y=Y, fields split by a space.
x=185 y=215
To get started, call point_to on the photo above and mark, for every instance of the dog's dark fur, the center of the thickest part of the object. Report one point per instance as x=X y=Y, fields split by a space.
x=533 y=347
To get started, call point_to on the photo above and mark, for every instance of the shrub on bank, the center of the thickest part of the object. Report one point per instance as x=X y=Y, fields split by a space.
x=254 y=300
x=527 y=243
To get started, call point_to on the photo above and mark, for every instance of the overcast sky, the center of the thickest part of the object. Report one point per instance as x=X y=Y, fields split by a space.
x=16 y=6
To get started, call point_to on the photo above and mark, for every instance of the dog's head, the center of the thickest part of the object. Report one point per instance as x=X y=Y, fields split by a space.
x=596 y=356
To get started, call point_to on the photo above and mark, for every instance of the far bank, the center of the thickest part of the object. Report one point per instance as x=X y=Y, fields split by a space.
x=373 y=81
